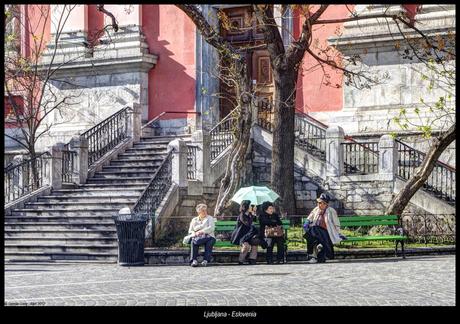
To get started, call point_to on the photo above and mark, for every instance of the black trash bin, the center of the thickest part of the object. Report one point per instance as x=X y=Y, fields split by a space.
x=131 y=237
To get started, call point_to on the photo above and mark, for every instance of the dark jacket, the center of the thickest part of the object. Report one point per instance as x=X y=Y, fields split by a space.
x=244 y=229
x=268 y=220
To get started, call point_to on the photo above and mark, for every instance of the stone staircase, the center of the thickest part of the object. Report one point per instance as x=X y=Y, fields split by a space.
x=76 y=224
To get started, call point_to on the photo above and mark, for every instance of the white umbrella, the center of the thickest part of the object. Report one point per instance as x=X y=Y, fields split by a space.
x=257 y=195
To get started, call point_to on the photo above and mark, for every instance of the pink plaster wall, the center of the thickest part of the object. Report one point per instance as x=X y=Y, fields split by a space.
x=170 y=34
x=312 y=94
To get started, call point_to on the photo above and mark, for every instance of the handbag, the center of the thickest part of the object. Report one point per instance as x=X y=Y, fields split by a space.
x=275 y=231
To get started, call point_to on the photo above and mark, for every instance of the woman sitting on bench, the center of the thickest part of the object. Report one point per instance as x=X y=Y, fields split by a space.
x=322 y=231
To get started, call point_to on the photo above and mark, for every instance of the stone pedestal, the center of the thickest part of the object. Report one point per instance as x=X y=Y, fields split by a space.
x=334 y=151
x=179 y=162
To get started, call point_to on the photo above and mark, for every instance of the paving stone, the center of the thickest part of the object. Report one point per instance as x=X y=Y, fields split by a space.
x=383 y=281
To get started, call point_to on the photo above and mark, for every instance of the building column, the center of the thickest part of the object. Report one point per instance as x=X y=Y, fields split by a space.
x=75 y=28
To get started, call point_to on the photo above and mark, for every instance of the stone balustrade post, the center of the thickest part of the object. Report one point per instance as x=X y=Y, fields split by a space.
x=56 y=166
x=19 y=181
x=206 y=166
x=179 y=162
x=334 y=151
x=388 y=157
x=197 y=139
x=80 y=145
x=135 y=122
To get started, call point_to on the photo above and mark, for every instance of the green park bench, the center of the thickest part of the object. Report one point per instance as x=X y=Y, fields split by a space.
x=357 y=221
x=224 y=228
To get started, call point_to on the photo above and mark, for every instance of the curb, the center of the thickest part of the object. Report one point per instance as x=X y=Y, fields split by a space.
x=155 y=256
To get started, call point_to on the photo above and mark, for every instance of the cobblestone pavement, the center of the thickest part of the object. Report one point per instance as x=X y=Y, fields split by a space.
x=421 y=280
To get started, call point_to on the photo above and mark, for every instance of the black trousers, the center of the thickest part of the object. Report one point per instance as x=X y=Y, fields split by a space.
x=317 y=235
x=271 y=242
x=208 y=243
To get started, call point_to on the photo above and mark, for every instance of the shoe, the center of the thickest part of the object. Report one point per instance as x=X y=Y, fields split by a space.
x=313 y=260
x=269 y=262
x=240 y=263
x=280 y=262
x=252 y=262
x=319 y=248
x=194 y=263
x=204 y=263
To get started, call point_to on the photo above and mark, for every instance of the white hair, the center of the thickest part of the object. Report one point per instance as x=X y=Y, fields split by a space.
x=200 y=207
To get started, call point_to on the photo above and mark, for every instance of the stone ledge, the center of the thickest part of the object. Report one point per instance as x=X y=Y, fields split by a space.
x=157 y=256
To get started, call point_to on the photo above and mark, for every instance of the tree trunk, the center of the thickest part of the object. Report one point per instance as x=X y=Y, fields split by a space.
x=236 y=166
x=282 y=172
x=400 y=201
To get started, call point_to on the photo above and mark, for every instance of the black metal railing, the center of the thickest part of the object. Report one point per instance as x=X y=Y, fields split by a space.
x=107 y=134
x=156 y=190
x=191 y=161
x=69 y=159
x=221 y=136
x=310 y=135
x=360 y=158
x=265 y=114
x=441 y=181
x=428 y=228
x=26 y=177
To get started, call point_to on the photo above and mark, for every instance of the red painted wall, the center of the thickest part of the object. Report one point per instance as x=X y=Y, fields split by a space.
x=312 y=94
x=170 y=34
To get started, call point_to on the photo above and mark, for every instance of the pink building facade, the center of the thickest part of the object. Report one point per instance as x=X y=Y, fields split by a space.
x=159 y=60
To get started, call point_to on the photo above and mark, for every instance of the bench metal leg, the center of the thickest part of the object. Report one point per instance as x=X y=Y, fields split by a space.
x=402 y=248
x=396 y=248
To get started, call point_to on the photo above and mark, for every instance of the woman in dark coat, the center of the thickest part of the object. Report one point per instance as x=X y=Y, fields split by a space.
x=245 y=234
x=269 y=218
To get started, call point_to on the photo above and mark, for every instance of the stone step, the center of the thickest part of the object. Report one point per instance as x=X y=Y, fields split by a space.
x=124 y=174
x=147 y=150
x=32 y=217
x=80 y=205
x=136 y=155
x=58 y=234
x=90 y=198
x=94 y=212
x=111 y=186
x=57 y=248
x=47 y=257
x=121 y=181
x=39 y=241
x=99 y=192
x=51 y=226
x=147 y=145
x=131 y=168
x=141 y=163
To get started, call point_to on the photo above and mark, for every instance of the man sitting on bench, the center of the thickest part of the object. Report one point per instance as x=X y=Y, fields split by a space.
x=322 y=231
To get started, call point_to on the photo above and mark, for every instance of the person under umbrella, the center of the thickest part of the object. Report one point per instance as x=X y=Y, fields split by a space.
x=246 y=234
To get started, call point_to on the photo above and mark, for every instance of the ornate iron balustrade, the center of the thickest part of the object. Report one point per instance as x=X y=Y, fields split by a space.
x=106 y=135
x=310 y=135
x=24 y=178
x=221 y=136
x=441 y=181
x=156 y=190
x=265 y=114
x=69 y=159
x=428 y=228
x=360 y=158
x=191 y=161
